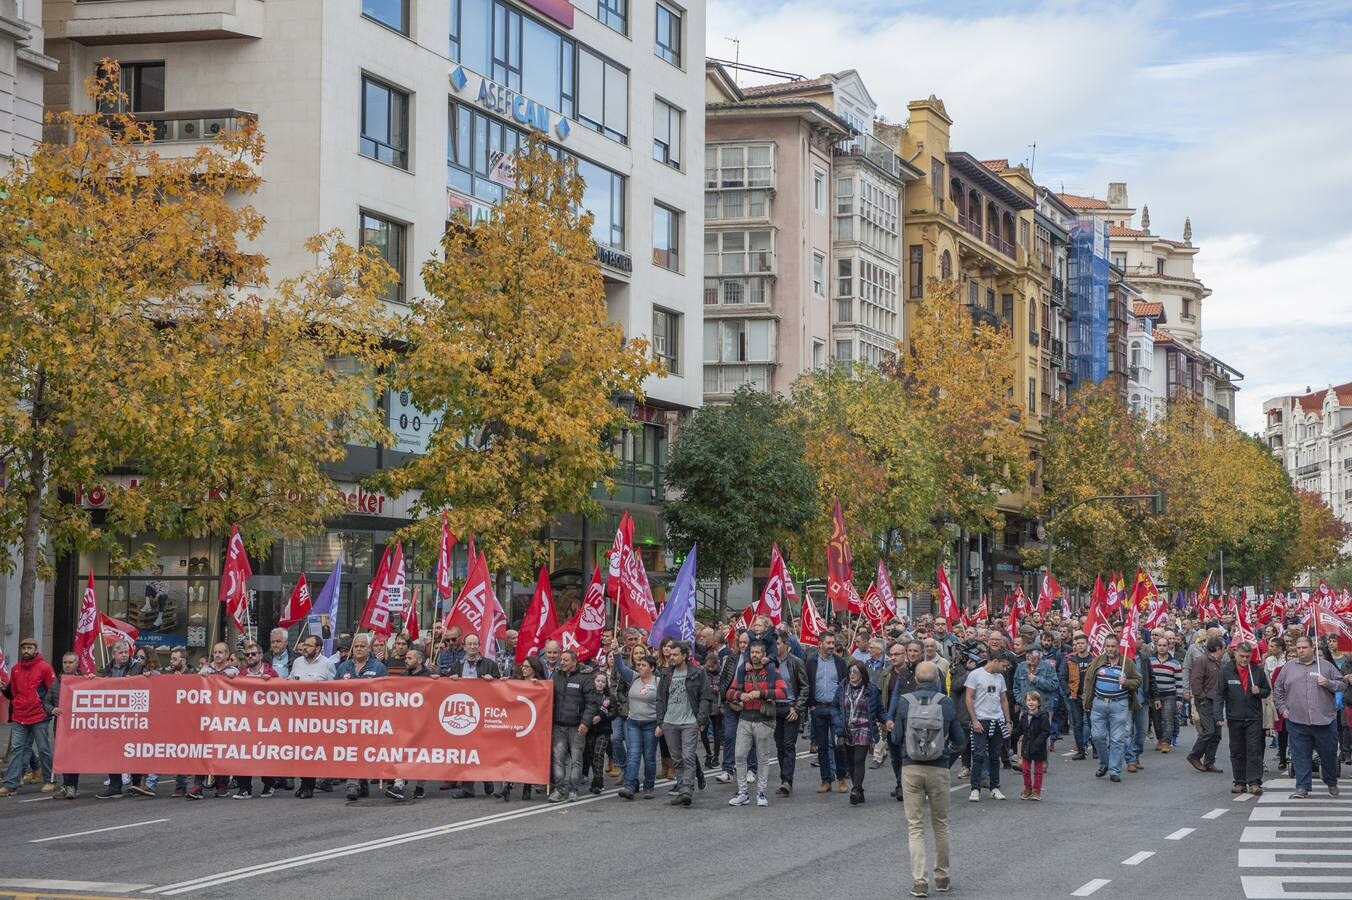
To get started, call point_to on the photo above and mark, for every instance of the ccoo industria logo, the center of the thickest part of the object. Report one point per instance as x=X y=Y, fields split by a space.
x=102 y=709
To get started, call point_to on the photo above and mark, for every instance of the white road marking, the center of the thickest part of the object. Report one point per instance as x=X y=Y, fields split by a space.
x=1071 y=753
x=1301 y=813
x=1266 y=858
x=49 y=884
x=1180 y=834
x=58 y=837
x=1242 y=797
x=1215 y=814
x=1089 y=887
x=1316 y=887
x=38 y=799
x=1299 y=834
x=1137 y=858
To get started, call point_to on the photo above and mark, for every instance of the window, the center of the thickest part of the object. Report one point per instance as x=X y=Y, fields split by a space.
x=1006 y=307
x=390 y=13
x=1023 y=234
x=667 y=133
x=1032 y=324
x=973 y=293
x=1032 y=395
x=602 y=95
x=1120 y=260
x=845 y=278
x=844 y=351
x=739 y=166
x=738 y=340
x=937 y=178
x=384 y=123
x=666 y=237
x=143 y=83
x=946 y=265
x=471 y=33
x=603 y=197
x=818 y=275
x=612 y=13
x=739 y=252
x=844 y=196
x=667 y=339
x=818 y=191
x=1159 y=267
x=915 y=271
x=388 y=238
x=1187 y=308
x=668 y=34
x=818 y=354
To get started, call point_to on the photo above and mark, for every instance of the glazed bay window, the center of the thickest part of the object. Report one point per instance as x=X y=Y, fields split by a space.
x=738 y=340
x=602 y=95
x=736 y=291
x=392 y=14
x=666 y=237
x=736 y=204
x=667 y=133
x=613 y=14
x=389 y=239
x=739 y=252
x=667 y=339
x=668 y=34
x=384 y=123
x=734 y=166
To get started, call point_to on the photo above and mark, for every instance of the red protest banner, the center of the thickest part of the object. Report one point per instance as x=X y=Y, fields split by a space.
x=462 y=730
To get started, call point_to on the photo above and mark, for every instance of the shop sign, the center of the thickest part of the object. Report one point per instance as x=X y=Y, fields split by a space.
x=460 y=206
x=505 y=102
x=614 y=259
x=357 y=500
x=412 y=427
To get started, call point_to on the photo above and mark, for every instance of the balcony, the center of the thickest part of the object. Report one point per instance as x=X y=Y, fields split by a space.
x=1058 y=354
x=983 y=316
x=867 y=147
x=97 y=22
x=1058 y=292
x=999 y=243
x=727 y=379
x=194 y=126
x=972 y=226
x=738 y=292
x=1138 y=374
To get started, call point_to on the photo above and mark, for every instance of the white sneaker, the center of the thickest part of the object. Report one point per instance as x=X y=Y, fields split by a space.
x=762 y=800
x=723 y=778
x=974 y=796
x=750 y=777
x=996 y=795
x=742 y=799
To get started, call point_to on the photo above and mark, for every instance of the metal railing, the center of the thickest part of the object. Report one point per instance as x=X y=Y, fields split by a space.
x=194 y=125
x=1058 y=353
x=983 y=316
x=972 y=226
x=1058 y=292
x=870 y=148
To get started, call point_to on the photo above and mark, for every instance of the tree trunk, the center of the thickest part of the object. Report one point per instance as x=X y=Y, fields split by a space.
x=723 y=579
x=32 y=512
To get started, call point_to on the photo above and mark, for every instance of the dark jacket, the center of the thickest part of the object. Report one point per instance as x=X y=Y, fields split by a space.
x=1072 y=671
x=873 y=700
x=1232 y=701
x=134 y=666
x=956 y=734
x=483 y=667
x=797 y=684
x=575 y=699
x=52 y=699
x=888 y=683
x=1203 y=677
x=812 y=662
x=696 y=688
x=1031 y=734
x=427 y=672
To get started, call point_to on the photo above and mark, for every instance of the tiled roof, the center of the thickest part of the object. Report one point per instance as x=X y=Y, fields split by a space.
x=996 y=165
x=782 y=87
x=1142 y=309
x=1075 y=201
x=1314 y=401
x=1119 y=231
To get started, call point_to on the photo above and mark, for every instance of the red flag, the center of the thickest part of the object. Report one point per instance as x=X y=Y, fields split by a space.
x=376 y=614
x=615 y=557
x=1158 y=615
x=1243 y=627
x=298 y=605
x=790 y=592
x=874 y=613
x=743 y=623
x=772 y=596
x=1203 y=598
x=1131 y=630
x=115 y=630
x=1324 y=595
x=1096 y=626
x=445 y=564
x=471 y=608
x=966 y=620
x=983 y=611
x=87 y=631
x=540 y=622
x=948 y=607
x=1022 y=607
x=4 y=667
x=235 y=575
x=1047 y=593
x=411 y=615
x=885 y=592
x=1112 y=597
x=583 y=631
x=1265 y=609
x=840 y=566
x=810 y=624
x=1323 y=622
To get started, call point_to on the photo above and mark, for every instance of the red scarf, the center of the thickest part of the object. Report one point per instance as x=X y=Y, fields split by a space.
x=1244 y=678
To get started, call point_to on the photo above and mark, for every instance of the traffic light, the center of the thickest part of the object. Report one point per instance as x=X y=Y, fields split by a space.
x=1157 y=503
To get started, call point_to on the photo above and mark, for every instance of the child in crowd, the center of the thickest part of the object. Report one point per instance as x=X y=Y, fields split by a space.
x=1033 y=732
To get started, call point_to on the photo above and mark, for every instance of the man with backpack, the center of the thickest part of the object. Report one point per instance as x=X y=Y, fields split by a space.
x=924 y=723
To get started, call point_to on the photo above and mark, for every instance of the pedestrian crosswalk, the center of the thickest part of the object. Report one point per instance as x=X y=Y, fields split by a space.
x=1298 y=849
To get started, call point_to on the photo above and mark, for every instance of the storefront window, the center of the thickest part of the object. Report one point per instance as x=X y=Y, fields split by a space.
x=172 y=601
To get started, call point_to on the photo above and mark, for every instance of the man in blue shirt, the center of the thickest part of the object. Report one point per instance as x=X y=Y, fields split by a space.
x=825 y=672
x=361 y=664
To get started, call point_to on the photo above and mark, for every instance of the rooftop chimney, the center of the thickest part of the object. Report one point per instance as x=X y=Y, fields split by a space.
x=1117 y=194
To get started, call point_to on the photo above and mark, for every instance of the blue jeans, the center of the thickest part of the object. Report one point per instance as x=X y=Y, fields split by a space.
x=1110 y=721
x=826 y=719
x=639 y=742
x=23 y=741
x=1140 y=721
x=1306 y=740
x=618 y=730
x=986 y=746
x=1079 y=724
x=1051 y=703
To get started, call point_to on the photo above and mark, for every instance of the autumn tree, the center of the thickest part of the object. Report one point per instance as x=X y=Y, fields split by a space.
x=959 y=375
x=867 y=447
x=1094 y=447
x=1319 y=540
x=137 y=332
x=513 y=345
x=738 y=481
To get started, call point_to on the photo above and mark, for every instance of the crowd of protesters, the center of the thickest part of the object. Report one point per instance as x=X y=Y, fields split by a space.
x=920 y=698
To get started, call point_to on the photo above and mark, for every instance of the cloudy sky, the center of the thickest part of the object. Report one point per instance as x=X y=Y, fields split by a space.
x=1238 y=114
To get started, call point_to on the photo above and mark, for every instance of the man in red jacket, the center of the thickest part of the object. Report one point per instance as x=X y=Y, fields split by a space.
x=31 y=678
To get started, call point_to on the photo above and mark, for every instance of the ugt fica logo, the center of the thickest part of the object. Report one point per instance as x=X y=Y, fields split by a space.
x=459 y=714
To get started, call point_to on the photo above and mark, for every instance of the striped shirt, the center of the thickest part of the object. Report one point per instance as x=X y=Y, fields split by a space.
x=1166 y=673
x=1106 y=685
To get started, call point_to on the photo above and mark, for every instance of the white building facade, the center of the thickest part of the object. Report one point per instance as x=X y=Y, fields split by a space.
x=23 y=64
x=1311 y=433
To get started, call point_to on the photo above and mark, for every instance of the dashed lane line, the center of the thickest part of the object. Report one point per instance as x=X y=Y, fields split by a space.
x=1137 y=858
x=58 y=837
x=1215 y=813
x=1180 y=834
x=1090 y=887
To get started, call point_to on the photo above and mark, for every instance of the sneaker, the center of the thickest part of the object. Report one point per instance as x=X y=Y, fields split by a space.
x=419 y=792
x=69 y=794
x=222 y=790
x=974 y=796
x=141 y=790
x=1079 y=754
x=996 y=795
x=194 y=793
x=352 y=794
x=1025 y=794
x=742 y=798
x=1036 y=795
x=266 y=792
x=941 y=883
x=1255 y=789
x=920 y=888
x=674 y=792
x=244 y=795
x=964 y=772
x=761 y=799
x=1298 y=794
x=48 y=787
x=626 y=794
x=1115 y=778
x=7 y=792
x=572 y=796
x=394 y=793
x=1237 y=788
x=825 y=788
x=109 y=794
x=1333 y=790
x=723 y=778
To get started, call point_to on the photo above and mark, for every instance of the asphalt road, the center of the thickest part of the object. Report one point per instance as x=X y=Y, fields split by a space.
x=1165 y=832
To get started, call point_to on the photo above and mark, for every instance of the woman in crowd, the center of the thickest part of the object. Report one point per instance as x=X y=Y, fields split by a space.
x=861 y=711
x=639 y=742
x=530 y=669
